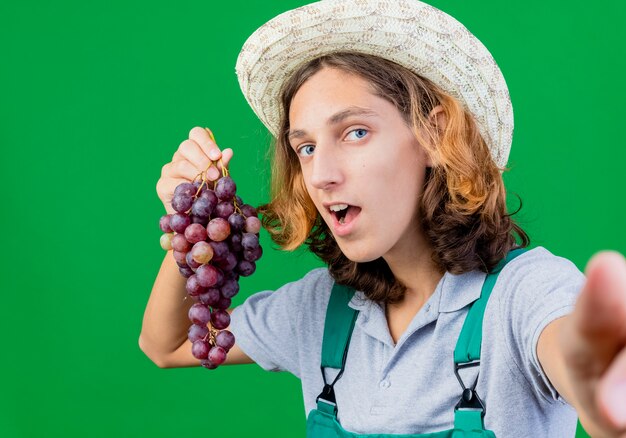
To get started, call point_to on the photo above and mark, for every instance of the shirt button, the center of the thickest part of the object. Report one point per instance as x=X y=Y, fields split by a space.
x=384 y=383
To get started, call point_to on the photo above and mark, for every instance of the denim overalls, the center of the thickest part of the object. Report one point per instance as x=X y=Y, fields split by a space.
x=340 y=318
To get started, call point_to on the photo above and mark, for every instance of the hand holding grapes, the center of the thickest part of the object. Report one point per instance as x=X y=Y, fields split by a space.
x=214 y=237
x=193 y=156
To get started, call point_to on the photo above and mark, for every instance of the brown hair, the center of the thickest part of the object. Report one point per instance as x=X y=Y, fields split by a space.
x=463 y=208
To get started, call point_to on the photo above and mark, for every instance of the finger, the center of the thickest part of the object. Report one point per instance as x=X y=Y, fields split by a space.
x=611 y=393
x=202 y=136
x=213 y=174
x=601 y=307
x=596 y=330
x=181 y=169
x=192 y=152
x=177 y=156
x=227 y=154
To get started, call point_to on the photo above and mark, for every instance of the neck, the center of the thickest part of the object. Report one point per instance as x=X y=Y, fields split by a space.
x=413 y=266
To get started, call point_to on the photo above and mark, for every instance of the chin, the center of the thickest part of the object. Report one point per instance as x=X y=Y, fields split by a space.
x=359 y=255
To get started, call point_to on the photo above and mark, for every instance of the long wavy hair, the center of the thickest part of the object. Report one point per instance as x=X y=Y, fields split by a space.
x=463 y=207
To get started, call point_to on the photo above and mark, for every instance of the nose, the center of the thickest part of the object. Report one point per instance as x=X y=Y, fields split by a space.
x=326 y=171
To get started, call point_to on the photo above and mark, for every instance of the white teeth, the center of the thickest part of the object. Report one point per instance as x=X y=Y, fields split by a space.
x=338 y=207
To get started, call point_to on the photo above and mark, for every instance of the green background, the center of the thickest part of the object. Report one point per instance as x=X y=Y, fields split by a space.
x=95 y=98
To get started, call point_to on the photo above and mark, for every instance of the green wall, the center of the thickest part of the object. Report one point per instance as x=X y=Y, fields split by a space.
x=95 y=97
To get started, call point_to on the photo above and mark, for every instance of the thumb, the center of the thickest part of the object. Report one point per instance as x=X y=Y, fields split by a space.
x=600 y=314
x=227 y=154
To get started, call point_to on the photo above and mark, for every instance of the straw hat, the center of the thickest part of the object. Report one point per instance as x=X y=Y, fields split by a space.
x=413 y=34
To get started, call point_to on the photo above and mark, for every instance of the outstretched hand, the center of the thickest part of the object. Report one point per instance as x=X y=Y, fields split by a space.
x=593 y=342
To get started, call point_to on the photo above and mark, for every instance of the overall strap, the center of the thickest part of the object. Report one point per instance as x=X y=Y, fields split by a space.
x=470 y=410
x=338 y=326
x=468 y=345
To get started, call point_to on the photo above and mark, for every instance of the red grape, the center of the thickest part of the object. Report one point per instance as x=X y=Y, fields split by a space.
x=248 y=210
x=225 y=339
x=201 y=253
x=225 y=188
x=249 y=241
x=200 y=349
x=230 y=288
x=202 y=207
x=190 y=260
x=253 y=224
x=180 y=244
x=180 y=257
x=193 y=287
x=214 y=239
x=220 y=250
x=206 y=363
x=217 y=355
x=208 y=275
x=197 y=332
x=229 y=263
x=199 y=314
x=223 y=303
x=195 y=233
x=224 y=209
x=218 y=229
x=220 y=318
x=234 y=242
x=179 y=221
x=246 y=268
x=185 y=189
x=181 y=203
x=252 y=255
x=164 y=223
x=185 y=271
x=236 y=221
x=211 y=297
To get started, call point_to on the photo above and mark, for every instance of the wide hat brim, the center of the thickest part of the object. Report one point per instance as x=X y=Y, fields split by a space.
x=413 y=34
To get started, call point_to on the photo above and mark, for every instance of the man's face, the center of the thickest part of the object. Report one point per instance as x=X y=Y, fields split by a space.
x=370 y=162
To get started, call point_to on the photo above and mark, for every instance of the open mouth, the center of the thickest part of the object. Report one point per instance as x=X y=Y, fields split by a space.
x=344 y=213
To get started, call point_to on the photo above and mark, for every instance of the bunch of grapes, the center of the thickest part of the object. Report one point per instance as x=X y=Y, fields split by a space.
x=215 y=240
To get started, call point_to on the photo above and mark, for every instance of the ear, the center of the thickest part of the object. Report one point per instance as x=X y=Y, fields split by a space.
x=438 y=118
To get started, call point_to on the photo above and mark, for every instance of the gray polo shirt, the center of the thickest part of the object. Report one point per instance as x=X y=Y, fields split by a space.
x=410 y=387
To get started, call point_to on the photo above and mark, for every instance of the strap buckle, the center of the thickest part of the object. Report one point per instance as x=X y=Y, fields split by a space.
x=470 y=401
x=327 y=395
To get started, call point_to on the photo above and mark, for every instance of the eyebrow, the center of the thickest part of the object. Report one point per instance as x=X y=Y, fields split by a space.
x=336 y=118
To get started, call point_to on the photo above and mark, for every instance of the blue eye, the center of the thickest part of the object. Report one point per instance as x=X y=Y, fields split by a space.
x=309 y=147
x=359 y=130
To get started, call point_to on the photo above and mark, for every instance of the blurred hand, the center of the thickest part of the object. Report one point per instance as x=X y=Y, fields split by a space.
x=594 y=345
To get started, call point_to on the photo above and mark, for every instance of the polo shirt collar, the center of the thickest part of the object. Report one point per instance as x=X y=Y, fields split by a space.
x=460 y=290
x=453 y=293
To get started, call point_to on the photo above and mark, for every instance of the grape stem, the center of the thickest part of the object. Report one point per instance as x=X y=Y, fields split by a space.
x=211 y=334
x=224 y=169
x=205 y=180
